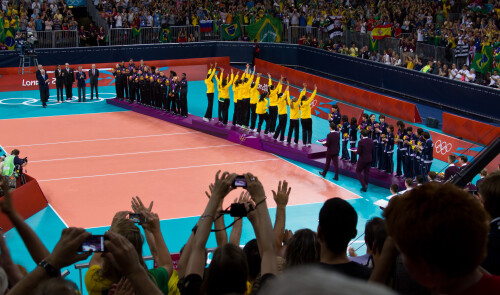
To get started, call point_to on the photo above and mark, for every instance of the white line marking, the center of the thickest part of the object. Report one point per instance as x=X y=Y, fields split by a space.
x=64 y=222
x=154 y=170
x=137 y=153
x=49 y=116
x=103 y=139
x=317 y=175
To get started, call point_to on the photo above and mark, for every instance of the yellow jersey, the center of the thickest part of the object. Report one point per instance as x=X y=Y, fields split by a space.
x=294 y=107
x=305 y=106
x=254 y=92
x=236 y=90
x=273 y=94
x=245 y=87
x=224 y=90
x=282 y=108
x=261 y=107
x=210 y=81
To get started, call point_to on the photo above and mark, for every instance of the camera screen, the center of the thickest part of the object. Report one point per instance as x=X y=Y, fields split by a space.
x=93 y=244
x=240 y=181
x=135 y=217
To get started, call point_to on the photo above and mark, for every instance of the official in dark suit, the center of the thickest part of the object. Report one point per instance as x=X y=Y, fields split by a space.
x=94 y=79
x=365 y=150
x=69 y=79
x=38 y=71
x=332 y=153
x=452 y=169
x=59 y=83
x=43 y=85
x=80 y=78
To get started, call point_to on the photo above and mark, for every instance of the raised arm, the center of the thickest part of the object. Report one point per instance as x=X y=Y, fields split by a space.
x=281 y=198
x=270 y=80
x=263 y=227
x=312 y=95
x=153 y=225
x=220 y=235
x=303 y=91
x=35 y=247
x=196 y=261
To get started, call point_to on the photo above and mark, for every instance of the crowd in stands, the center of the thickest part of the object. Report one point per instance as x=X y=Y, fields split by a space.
x=426 y=243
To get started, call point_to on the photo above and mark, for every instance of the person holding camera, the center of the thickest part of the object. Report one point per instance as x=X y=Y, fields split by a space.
x=13 y=167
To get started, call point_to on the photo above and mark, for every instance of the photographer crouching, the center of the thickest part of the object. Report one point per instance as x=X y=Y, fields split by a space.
x=12 y=168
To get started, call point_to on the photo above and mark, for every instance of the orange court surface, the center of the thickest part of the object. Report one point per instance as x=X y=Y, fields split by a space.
x=89 y=166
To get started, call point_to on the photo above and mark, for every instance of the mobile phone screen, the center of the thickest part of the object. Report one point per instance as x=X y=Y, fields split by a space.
x=135 y=217
x=240 y=181
x=93 y=244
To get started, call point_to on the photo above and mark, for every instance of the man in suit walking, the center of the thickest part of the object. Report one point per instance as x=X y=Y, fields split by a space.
x=365 y=149
x=43 y=85
x=332 y=153
x=69 y=79
x=94 y=79
x=80 y=78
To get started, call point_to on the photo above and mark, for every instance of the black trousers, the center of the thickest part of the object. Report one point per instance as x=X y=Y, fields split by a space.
x=245 y=112
x=171 y=103
x=163 y=97
x=131 y=90
x=399 y=161
x=93 y=85
x=389 y=162
x=353 y=154
x=273 y=115
x=60 y=87
x=80 y=91
x=220 y=110
x=119 y=91
x=157 y=96
x=69 y=91
x=306 y=130
x=44 y=96
x=375 y=154
x=329 y=159
x=280 y=130
x=345 y=150
x=263 y=118
x=183 y=104
x=125 y=88
x=236 y=112
x=210 y=106
x=293 y=129
x=225 y=111
x=253 y=116
x=381 y=156
x=138 y=92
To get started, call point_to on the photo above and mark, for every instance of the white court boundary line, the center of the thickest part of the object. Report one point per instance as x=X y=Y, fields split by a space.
x=137 y=153
x=154 y=170
x=57 y=214
x=102 y=139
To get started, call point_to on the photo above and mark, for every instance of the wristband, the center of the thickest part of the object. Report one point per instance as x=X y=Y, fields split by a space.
x=51 y=270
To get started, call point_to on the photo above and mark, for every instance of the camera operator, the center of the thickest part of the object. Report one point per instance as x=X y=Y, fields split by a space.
x=13 y=167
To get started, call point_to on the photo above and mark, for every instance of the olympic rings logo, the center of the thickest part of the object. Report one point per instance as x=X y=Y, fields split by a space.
x=443 y=147
x=243 y=138
x=314 y=103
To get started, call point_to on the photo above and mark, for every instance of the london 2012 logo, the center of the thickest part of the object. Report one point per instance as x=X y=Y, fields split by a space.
x=443 y=147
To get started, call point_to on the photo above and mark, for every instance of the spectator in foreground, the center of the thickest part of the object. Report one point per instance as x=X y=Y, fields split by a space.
x=442 y=243
x=337 y=226
x=489 y=192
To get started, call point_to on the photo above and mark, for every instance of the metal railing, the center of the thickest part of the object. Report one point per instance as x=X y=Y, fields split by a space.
x=214 y=35
x=95 y=15
x=56 y=39
x=128 y=36
x=177 y=31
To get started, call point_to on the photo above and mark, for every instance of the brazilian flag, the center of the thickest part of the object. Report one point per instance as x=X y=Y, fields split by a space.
x=483 y=62
x=10 y=41
x=231 y=32
x=373 y=44
x=136 y=32
x=166 y=34
x=267 y=29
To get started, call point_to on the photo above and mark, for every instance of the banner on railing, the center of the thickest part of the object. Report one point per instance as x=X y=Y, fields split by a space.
x=334 y=26
x=266 y=30
x=231 y=31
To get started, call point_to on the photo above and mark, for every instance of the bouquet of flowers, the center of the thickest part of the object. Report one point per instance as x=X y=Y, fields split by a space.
x=396 y=136
x=441 y=175
x=339 y=126
x=346 y=135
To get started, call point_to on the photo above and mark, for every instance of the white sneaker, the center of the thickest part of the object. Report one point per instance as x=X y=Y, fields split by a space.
x=205 y=119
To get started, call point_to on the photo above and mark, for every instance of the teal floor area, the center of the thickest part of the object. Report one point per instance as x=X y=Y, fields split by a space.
x=46 y=223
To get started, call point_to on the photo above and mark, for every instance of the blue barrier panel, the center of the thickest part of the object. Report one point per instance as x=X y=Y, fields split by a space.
x=479 y=100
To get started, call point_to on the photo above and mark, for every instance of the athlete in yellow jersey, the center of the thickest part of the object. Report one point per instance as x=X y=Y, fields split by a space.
x=245 y=97
x=254 y=98
x=282 y=113
x=223 y=88
x=209 y=80
x=294 y=119
x=273 y=103
x=262 y=112
x=236 y=95
x=305 y=114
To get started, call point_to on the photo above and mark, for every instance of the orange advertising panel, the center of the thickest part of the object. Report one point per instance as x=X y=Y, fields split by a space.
x=360 y=97
x=469 y=129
